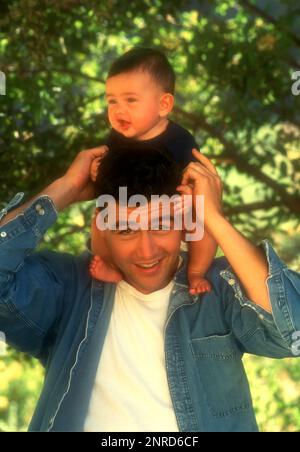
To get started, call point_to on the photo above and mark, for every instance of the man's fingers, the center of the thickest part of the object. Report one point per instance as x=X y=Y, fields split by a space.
x=205 y=161
x=97 y=161
x=185 y=189
x=100 y=151
x=192 y=172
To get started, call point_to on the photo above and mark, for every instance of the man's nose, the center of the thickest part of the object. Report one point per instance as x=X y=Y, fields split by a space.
x=147 y=247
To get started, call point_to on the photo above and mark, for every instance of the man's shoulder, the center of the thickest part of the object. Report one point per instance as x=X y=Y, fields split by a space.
x=218 y=265
x=218 y=275
x=61 y=265
x=214 y=273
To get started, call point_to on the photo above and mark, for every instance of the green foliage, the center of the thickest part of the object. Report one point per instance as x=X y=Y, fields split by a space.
x=20 y=384
x=233 y=61
x=276 y=392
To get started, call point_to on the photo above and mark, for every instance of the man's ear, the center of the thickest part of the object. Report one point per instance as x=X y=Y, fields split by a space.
x=95 y=213
x=94 y=222
x=166 y=104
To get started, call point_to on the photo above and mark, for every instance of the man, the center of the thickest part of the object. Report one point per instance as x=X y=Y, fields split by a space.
x=143 y=354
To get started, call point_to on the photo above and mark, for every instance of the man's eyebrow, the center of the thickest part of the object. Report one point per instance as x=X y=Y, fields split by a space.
x=164 y=218
x=123 y=224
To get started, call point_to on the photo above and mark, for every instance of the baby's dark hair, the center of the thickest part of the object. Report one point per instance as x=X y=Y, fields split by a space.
x=143 y=171
x=149 y=60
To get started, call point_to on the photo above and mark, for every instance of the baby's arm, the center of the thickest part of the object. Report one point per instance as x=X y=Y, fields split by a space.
x=201 y=255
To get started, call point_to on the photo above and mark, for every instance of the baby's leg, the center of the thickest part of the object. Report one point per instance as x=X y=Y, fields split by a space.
x=101 y=266
x=102 y=270
x=201 y=254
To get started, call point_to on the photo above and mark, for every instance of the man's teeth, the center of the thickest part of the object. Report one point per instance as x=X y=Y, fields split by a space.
x=149 y=265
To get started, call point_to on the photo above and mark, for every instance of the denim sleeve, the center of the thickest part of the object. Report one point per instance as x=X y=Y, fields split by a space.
x=31 y=290
x=259 y=332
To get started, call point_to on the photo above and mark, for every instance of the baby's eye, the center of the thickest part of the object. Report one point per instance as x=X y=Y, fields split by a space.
x=111 y=102
x=131 y=100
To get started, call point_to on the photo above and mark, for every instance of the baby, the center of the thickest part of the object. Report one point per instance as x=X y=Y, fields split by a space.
x=140 y=96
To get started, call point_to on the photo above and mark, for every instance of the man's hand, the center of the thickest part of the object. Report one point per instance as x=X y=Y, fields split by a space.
x=75 y=186
x=248 y=261
x=202 y=179
x=78 y=175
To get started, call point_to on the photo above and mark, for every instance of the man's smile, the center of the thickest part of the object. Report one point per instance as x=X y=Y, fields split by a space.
x=149 y=268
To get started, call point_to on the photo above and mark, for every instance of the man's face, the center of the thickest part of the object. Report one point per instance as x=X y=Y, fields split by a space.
x=147 y=259
x=133 y=104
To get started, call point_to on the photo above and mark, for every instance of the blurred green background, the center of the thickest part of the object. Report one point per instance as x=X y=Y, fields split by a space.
x=234 y=62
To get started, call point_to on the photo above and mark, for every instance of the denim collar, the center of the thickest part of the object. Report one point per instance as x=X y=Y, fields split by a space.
x=180 y=277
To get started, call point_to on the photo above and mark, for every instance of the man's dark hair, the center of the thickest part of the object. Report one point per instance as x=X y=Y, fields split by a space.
x=143 y=171
x=149 y=60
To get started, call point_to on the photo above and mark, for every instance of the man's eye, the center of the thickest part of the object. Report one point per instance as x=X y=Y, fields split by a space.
x=127 y=232
x=131 y=100
x=111 y=102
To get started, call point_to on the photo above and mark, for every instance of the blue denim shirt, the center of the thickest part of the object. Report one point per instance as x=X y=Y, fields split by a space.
x=52 y=309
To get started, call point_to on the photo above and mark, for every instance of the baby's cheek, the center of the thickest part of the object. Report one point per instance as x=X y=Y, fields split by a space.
x=110 y=115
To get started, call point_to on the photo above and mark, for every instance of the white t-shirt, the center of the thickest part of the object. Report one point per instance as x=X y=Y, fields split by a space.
x=131 y=391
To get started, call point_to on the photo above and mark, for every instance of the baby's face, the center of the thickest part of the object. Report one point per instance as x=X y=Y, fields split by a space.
x=133 y=101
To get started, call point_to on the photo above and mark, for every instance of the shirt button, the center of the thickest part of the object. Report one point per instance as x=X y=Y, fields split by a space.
x=231 y=282
x=3 y=234
x=41 y=212
x=38 y=207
